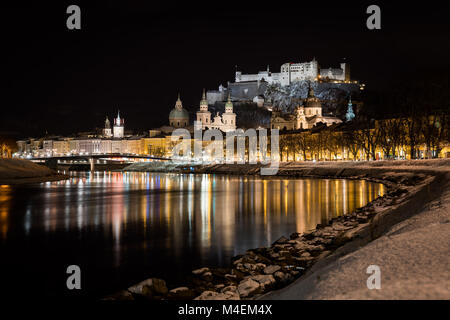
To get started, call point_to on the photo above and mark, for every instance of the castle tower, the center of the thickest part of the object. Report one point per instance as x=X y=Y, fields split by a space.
x=203 y=115
x=229 y=117
x=118 y=128
x=107 y=130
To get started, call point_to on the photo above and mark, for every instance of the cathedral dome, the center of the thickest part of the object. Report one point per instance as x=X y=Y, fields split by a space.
x=178 y=117
x=178 y=114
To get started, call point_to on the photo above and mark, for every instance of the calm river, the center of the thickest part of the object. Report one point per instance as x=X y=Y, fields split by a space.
x=121 y=228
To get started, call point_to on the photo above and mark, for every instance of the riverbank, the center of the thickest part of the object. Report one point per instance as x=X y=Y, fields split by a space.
x=413 y=257
x=19 y=171
x=411 y=185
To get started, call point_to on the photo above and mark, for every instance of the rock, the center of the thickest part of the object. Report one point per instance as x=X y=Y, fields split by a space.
x=122 y=295
x=339 y=227
x=308 y=235
x=156 y=289
x=181 y=293
x=281 y=240
x=239 y=275
x=219 y=286
x=294 y=235
x=305 y=254
x=212 y=295
x=229 y=288
x=282 y=277
x=304 y=262
x=248 y=287
x=271 y=269
x=274 y=255
x=231 y=277
x=153 y=286
x=284 y=253
x=207 y=276
x=200 y=271
x=266 y=281
x=315 y=249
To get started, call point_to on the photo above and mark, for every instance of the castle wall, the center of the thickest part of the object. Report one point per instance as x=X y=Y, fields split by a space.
x=292 y=72
x=247 y=90
x=214 y=96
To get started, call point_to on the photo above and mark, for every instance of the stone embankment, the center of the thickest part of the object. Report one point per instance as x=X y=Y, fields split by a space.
x=19 y=171
x=410 y=186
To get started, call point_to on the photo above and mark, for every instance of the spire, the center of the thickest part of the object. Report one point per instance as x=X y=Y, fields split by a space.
x=350 y=115
x=107 y=123
x=118 y=121
x=229 y=105
x=204 y=94
x=179 y=104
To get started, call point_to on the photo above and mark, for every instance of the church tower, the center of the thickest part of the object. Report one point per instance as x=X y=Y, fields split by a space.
x=203 y=115
x=349 y=116
x=107 y=130
x=118 y=129
x=229 y=117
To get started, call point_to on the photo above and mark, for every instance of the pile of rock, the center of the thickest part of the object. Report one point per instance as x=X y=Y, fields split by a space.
x=263 y=269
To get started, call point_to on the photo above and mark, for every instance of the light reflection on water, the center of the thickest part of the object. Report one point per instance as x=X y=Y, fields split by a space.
x=145 y=221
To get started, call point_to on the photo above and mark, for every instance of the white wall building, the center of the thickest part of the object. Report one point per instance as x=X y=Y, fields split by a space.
x=118 y=129
x=292 y=72
x=226 y=122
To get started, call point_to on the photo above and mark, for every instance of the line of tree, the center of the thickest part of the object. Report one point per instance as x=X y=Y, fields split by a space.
x=363 y=139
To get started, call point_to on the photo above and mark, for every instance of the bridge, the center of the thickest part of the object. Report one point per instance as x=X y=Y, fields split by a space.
x=52 y=161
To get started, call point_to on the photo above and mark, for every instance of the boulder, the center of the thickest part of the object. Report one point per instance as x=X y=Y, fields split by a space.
x=181 y=293
x=266 y=281
x=156 y=289
x=153 y=285
x=248 y=287
x=281 y=240
x=120 y=296
x=282 y=277
x=207 y=276
x=212 y=295
x=200 y=271
x=231 y=277
x=271 y=269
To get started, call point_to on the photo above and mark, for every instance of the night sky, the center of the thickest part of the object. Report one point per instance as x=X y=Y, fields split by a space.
x=137 y=55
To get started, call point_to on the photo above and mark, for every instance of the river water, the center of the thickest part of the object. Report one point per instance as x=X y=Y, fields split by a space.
x=121 y=228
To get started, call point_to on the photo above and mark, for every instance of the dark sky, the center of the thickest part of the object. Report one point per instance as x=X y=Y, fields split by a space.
x=136 y=55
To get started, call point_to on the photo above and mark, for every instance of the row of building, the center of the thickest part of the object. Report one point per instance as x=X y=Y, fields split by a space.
x=113 y=140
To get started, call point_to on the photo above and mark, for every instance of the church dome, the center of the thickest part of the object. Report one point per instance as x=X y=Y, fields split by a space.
x=178 y=114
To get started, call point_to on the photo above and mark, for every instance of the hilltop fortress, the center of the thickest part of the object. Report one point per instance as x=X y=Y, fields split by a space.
x=292 y=72
x=253 y=87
